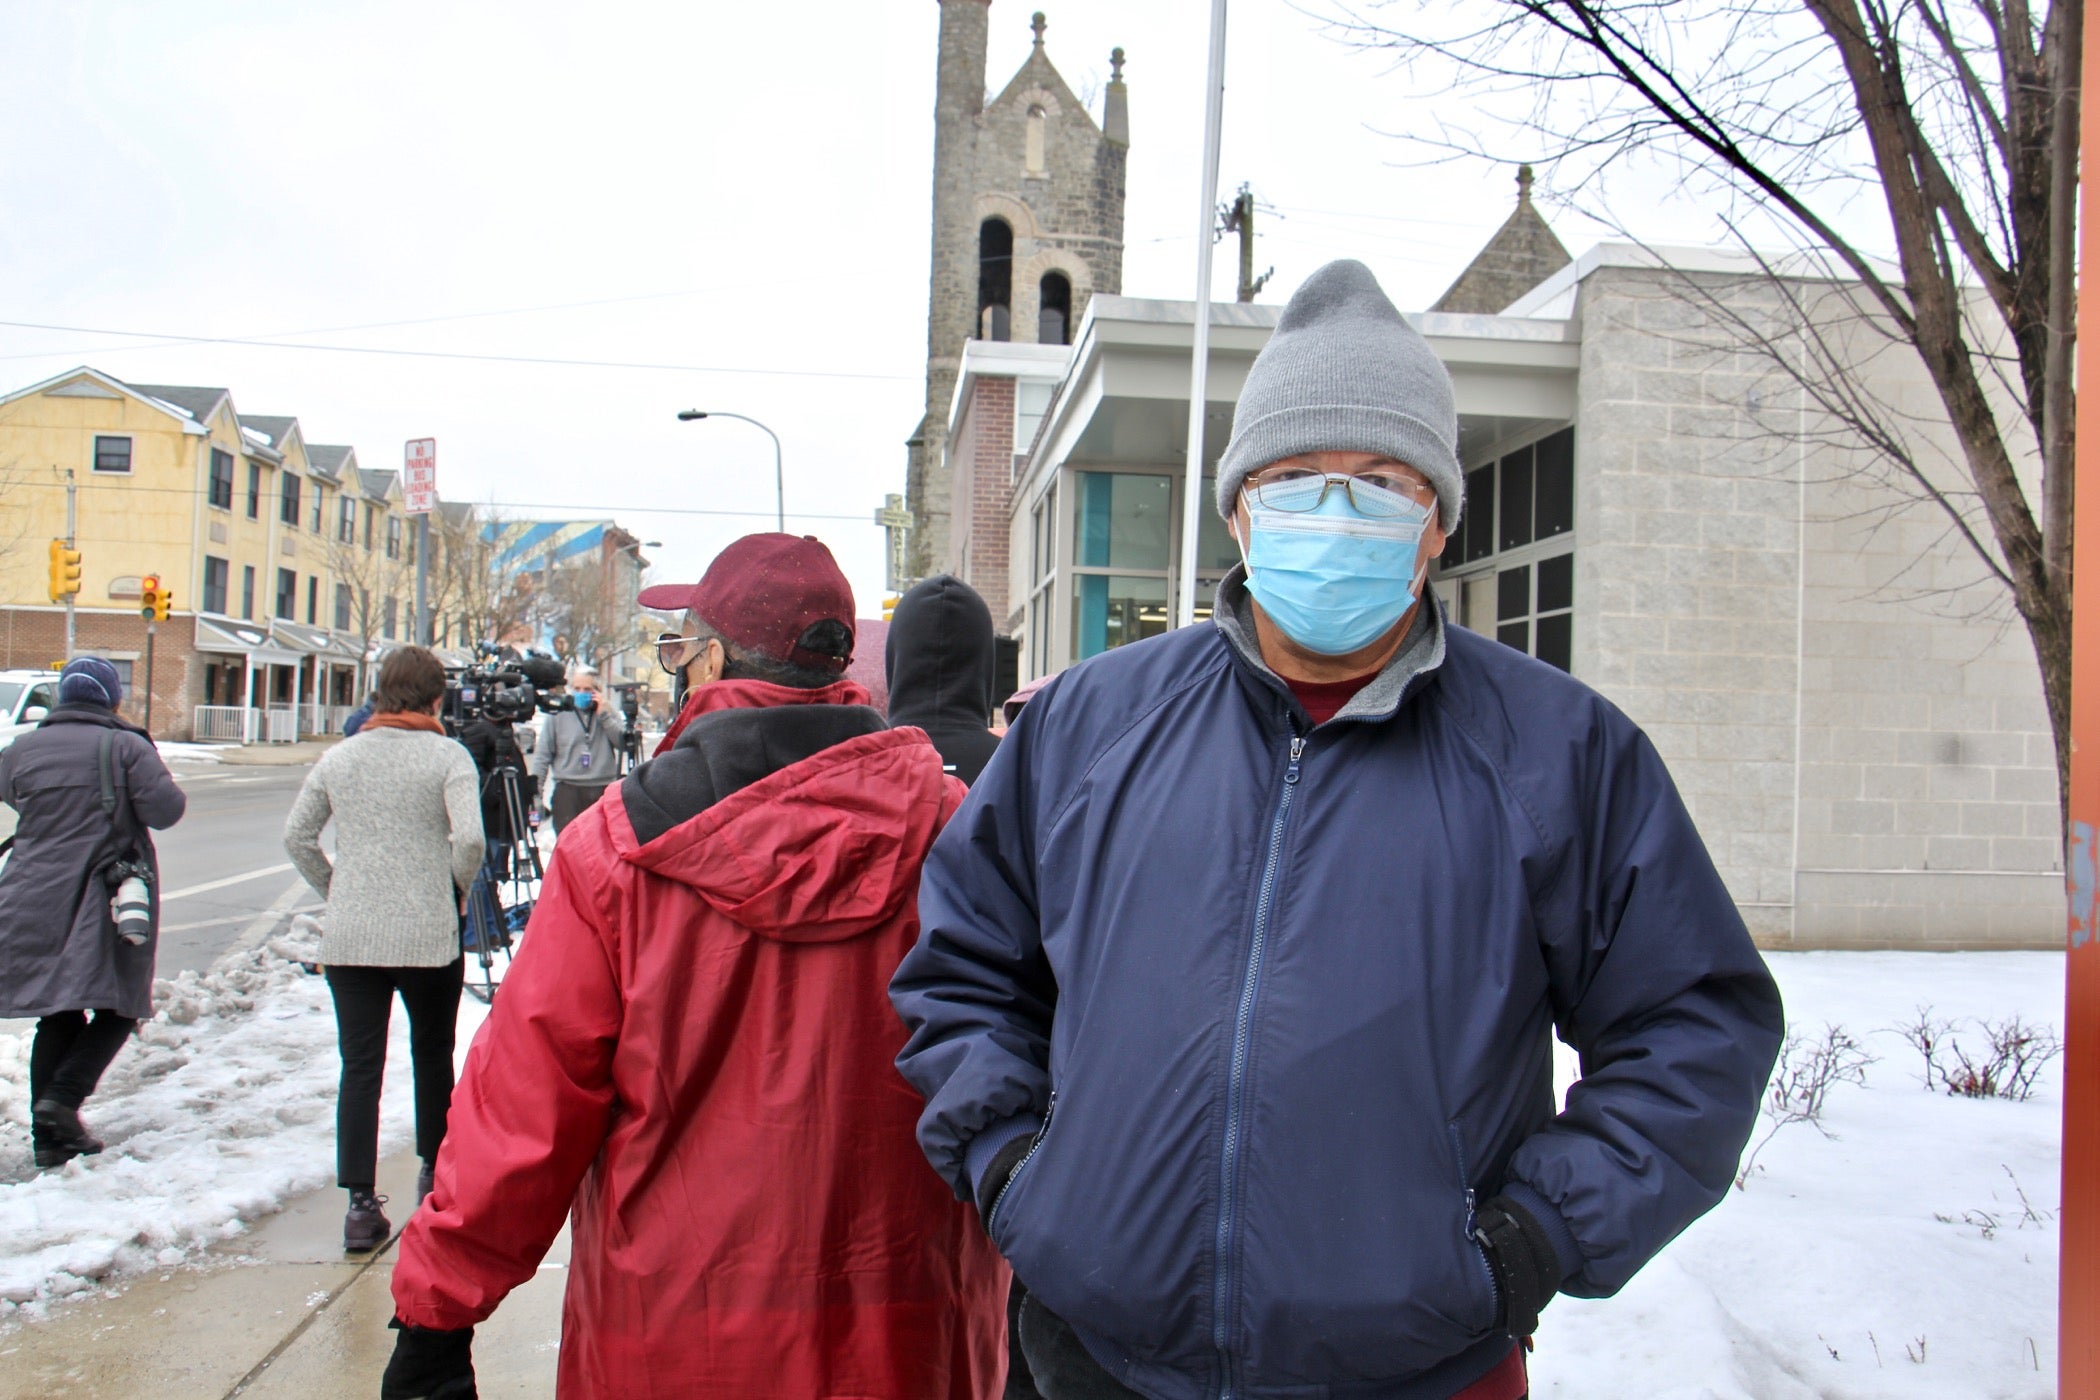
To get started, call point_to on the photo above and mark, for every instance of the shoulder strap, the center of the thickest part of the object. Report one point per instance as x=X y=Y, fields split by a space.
x=103 y=767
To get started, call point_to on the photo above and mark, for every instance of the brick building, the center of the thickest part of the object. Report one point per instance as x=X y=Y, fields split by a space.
x=1027 y=227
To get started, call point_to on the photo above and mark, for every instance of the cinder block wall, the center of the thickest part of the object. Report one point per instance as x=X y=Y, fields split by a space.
x=1853 y=718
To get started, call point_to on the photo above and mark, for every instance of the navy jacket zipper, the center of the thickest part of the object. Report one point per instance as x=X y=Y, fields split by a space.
x=1243 y=1025
x=1042 y=1131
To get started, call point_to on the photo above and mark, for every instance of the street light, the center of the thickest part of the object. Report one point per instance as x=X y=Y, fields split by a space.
x=779 y=491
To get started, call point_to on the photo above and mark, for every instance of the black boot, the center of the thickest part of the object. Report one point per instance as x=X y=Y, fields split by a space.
x=424 y=1180
x=58 y=1125
x=365 y=1226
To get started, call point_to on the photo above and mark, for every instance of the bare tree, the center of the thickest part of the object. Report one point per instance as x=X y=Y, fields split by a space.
x=1954 y=121
x=376 y=581
x=583 y=605
x=469 y=588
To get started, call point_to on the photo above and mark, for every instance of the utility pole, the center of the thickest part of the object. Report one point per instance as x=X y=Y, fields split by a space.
x=423 y=579
x=1238 y=217
x=1192 y=503
x=71 y=543
x=2078 y=1222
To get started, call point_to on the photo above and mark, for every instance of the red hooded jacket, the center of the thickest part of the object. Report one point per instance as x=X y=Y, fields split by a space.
x=693 y=1048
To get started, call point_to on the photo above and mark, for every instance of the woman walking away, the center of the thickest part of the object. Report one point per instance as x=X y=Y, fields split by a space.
x=87 y=786
x=407 y=844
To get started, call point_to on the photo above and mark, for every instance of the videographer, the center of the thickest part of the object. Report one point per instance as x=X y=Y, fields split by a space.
x=489 y=732
x=579 y=749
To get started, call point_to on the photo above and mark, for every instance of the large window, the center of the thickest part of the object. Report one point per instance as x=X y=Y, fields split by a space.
x=113 y=454
x=1123 y=532
x=287 y=594
x=288 y=501
x=393 y=537
x=1510 y=565
x=345 y=520
x=221 y=491
x=1054 y=319
x=248 y=591
x=342 y=607
x=313 y=599
x=320 y=494
x=386 y=618
x=995 y=280
x=215 y=585
x=255 y=490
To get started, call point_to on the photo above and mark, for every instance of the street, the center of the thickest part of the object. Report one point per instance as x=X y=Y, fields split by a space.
x=223 y=865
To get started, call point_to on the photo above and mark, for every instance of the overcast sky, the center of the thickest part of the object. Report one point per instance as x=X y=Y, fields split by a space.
x=732 y=198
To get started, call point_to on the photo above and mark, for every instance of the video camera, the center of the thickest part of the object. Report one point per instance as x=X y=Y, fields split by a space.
x=501 y=691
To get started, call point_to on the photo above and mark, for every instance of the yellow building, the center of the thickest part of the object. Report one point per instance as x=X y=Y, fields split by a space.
x=266 y=542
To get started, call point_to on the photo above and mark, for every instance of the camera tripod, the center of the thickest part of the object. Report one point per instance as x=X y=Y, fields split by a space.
x=496 y=916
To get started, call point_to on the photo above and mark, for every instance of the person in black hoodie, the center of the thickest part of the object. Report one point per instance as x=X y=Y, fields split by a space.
x=938 y=661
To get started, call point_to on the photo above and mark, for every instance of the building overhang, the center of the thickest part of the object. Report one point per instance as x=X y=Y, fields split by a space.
x=230 y=636
x=1124 y=400
x=1005 y=359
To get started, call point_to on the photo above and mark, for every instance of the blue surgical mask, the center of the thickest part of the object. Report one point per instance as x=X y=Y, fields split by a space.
x=1334 y=580
x=586 y=701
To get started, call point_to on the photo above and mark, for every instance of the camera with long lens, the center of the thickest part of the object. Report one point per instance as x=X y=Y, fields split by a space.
x=501 y=691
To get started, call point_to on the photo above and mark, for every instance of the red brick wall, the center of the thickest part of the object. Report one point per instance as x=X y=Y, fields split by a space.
x=983 y=457
x=35 y=639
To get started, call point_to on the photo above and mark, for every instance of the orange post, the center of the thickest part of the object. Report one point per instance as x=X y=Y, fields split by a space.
x=2078 y=1287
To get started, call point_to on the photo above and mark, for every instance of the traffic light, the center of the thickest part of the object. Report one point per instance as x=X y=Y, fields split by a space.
x=65 y=571
x=153 y=599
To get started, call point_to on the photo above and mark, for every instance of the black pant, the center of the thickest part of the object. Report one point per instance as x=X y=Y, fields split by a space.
x=71 y=1052
x=572 y=800
x=1063 y=1368
x=364 y=1000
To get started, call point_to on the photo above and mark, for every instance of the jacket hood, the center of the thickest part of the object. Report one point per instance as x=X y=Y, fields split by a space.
x=804 y=823
x=87 y=712
x=939 y=657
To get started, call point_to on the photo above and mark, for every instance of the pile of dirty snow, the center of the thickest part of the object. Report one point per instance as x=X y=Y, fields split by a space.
x=220 y=1111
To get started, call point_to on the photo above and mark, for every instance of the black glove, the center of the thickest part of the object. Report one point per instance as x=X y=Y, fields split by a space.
x=429 y=1365
x=996 y=1173
x=1521 y=1256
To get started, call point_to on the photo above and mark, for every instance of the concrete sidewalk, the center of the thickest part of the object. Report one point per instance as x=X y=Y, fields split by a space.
x=280 y=1313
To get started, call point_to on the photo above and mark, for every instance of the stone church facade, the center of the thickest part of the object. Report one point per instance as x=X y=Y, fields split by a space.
x=1027 y=228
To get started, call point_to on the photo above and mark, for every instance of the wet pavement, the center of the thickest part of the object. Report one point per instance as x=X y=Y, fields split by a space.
x=281 y=1312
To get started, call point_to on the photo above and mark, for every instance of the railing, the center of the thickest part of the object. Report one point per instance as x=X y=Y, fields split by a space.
x=224 y=724
x=322 y=720
x=282 y=725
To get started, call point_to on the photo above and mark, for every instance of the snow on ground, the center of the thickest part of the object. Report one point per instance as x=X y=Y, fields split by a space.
x=192 y=753
x=219 y=1113
x=1892 y=1258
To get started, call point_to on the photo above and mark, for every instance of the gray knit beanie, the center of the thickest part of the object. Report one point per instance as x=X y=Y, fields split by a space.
x=1345 y=372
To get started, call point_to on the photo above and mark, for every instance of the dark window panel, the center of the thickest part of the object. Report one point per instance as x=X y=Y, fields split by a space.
x=1557 y=583
x=1513 y=593
x=1515 y=634
x=112 y=454
x=1516 y=500
x=1554 y=511
x=1557 y=641
x=1477 y=526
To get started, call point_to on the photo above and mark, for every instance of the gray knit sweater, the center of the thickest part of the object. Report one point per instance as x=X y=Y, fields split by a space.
x=408 y=842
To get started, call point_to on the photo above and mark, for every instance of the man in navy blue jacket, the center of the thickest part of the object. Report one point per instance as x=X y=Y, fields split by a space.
x=1233 y=1000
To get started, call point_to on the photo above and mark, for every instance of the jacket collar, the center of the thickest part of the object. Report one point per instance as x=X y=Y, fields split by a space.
x=1410 y=669
x=87 y=712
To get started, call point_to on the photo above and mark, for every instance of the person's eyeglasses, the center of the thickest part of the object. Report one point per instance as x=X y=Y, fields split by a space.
x=666 y=640
x=1378 y=493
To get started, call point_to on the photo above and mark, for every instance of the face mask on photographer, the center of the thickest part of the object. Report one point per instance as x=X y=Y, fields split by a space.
x=585 y=701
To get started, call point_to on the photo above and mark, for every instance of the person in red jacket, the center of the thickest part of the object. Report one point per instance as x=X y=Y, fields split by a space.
x=691 y=1055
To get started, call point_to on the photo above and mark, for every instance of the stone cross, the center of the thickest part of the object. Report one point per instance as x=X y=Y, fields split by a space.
x=1523 y=184
x=1038 y=24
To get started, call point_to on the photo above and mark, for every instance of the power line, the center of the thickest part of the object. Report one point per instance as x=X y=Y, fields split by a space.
x=168 y=339
x=586 y=508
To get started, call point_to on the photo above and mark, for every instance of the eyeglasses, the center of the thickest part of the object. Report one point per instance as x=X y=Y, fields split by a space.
x=669 y=639
x=1382 y=492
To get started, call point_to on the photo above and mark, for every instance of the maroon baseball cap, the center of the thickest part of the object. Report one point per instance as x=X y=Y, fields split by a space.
x=764 y=593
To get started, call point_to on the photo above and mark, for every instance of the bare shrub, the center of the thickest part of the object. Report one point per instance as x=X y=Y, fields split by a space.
x=2007 y=1066
x=1801 y=1083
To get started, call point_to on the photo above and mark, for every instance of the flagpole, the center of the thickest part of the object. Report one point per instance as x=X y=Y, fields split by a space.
x=1192 y=501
